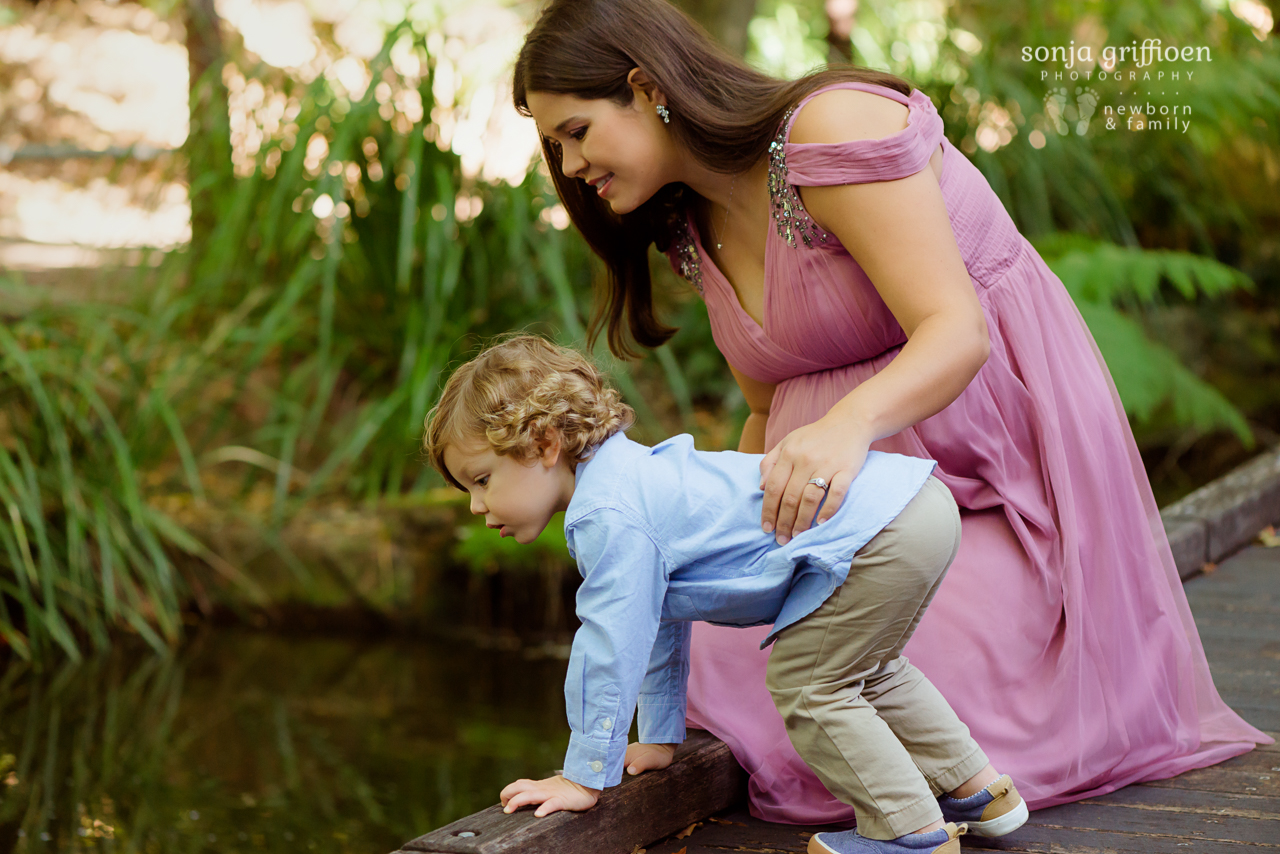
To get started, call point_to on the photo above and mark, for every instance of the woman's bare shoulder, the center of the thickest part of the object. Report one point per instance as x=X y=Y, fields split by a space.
x=844 y=115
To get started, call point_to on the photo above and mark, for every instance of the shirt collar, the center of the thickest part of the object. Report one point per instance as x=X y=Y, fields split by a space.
x=603 y=459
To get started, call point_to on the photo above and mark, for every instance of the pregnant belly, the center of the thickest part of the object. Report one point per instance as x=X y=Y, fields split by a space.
x=986 y=441
x=803 y=399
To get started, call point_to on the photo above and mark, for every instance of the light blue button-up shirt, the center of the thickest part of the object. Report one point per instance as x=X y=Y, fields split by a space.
x=667 y=535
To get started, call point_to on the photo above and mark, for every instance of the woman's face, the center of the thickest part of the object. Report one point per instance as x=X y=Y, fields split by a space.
x=624 y=153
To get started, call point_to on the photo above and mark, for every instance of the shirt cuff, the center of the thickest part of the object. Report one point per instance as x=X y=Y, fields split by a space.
x=661 y=721
x=595 y=764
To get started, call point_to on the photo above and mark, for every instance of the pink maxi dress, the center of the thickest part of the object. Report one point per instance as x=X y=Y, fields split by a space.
x=1061 y=634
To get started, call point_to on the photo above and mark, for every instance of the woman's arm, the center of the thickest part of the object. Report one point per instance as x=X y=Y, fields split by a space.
x=759 y=398
x=900 y=234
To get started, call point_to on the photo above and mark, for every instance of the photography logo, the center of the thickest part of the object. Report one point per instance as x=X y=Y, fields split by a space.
x=1064 y=114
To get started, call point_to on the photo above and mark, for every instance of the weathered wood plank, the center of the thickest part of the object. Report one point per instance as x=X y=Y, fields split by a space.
x=1225 y=653
x=1179 y=804
x=1239 y=603
x=738 y=831
x=1110 y=818
x=1246 y=577
x=1068 y=840
x=1258 y=688
x=1223 y=628
x=1243 y=774
x=704 y=779
x=1189 y=541
x=1264 y=718
x=1234 y=507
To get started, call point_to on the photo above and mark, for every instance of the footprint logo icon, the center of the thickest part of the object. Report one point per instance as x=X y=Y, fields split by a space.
x=1056 y=108
x=1086 y=103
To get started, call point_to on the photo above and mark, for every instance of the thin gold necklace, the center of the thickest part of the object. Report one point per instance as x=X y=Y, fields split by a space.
x=725 y=224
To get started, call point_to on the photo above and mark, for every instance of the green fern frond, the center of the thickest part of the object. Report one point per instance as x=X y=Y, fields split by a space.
x=1152 y=381
x=1098 y=272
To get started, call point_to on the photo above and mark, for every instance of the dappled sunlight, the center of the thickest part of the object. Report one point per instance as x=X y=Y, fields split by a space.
x=279 y=32
x=110 y=76
x=95 y=77
x=87 y=78
x=100 y=214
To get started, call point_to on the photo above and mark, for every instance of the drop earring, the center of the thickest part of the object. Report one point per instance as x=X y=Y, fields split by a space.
x=665 y=113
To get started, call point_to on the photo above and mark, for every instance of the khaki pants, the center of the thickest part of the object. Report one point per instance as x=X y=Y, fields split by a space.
x=869 y=724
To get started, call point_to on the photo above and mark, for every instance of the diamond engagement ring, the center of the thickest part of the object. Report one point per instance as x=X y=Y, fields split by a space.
x=819 y=482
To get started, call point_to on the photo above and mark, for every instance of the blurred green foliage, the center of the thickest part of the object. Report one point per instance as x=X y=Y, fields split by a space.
x=1112 y=286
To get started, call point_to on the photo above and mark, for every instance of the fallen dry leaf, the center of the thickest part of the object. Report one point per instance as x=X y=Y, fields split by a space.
x=682 y=834
x=637 y=850
x=1268 y=537
x=1208 y=567
x=726 y=821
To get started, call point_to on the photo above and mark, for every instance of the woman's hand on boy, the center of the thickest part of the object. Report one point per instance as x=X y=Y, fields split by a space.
x=647 y=757
x=830 y=448
x=554 y=793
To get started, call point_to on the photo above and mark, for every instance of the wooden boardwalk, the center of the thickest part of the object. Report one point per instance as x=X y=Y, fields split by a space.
x=1231 y=807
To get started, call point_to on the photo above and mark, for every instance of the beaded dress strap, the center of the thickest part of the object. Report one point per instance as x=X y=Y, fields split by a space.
x=687 y=261
x=789 y=215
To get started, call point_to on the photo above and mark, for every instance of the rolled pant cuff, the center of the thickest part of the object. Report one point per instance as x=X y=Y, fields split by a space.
x=960 y=773
x=909 y=819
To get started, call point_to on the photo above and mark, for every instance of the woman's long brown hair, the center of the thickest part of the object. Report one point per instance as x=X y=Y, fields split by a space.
x=722 y=110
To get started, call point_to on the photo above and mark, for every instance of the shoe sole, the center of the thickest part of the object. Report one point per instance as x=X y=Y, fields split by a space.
x=816 y=847
x=999 y=826
x=951 y=846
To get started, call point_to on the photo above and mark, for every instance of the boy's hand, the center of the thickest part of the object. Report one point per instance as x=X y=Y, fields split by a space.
x=554 y=793
x=648 y=757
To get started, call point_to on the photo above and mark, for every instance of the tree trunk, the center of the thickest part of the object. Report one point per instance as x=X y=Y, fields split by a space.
x=208 y=145
x=726 y=20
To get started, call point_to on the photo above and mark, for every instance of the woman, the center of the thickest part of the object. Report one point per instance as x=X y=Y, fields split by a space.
x=869 y=291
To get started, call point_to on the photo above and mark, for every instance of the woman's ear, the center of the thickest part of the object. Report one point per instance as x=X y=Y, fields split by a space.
x=644 y=89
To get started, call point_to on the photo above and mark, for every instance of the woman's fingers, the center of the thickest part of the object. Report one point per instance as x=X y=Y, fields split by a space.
x=767 y=464
x=775 y=487
x=811 y=496
x=839 y=488
x=793 y=497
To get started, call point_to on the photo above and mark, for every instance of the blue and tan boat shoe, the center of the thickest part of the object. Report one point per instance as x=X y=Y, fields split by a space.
x=943 y=841
x=996 y=810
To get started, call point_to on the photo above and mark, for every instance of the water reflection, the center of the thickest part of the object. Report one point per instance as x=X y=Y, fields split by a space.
x=253 y=742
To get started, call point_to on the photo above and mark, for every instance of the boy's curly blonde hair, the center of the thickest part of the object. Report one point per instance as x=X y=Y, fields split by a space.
x=515 y=393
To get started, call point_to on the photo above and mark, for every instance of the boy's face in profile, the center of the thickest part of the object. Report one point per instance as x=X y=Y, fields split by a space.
x=518 y=497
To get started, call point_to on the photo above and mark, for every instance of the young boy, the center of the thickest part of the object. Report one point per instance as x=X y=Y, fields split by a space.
x=667 y=535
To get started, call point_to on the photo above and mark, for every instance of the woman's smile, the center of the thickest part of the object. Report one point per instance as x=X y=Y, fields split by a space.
x=602 y=184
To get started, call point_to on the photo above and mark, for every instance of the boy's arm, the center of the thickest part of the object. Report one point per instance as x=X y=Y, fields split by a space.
x=663 y=693
x=663 y=700
x=619 y=604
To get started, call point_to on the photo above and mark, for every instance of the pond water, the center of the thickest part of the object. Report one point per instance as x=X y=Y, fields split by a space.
x=245 y=741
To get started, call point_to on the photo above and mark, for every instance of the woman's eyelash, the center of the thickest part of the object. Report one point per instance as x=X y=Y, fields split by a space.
x=579 y=133
x=481 y=481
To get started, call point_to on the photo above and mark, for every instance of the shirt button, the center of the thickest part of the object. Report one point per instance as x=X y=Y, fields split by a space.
x=606 y=724
x=597 y=766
